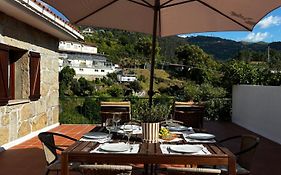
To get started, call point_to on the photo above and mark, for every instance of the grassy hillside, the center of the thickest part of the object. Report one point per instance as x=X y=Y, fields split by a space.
x=162 y=79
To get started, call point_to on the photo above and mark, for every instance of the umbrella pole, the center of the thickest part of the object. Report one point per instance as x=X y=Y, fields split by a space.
x=150 y=92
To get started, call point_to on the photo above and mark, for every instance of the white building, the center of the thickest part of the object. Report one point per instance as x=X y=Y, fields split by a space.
x=85 y=60
x=126 y=78
x=69 y=46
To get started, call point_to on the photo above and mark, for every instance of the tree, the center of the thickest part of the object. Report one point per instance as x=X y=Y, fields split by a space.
x=135 y=85
x=65 y=78
x=199 y=66
x=239 y=72
x=115 y=90
x=90 y=110
x=86 y=88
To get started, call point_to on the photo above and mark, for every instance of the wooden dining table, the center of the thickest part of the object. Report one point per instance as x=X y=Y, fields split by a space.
x=148 y=154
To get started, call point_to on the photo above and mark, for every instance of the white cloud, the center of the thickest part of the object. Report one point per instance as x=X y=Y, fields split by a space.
x=256 y=37
x=269 y=21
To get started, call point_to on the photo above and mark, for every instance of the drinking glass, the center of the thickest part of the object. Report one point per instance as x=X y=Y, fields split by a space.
x=169 y=121
x=128 y=130
x=109 y=125
x=116 y=119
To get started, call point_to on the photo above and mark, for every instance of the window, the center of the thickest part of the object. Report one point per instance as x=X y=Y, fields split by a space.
x=19 y=74
x=96 y=70
x=102 y=70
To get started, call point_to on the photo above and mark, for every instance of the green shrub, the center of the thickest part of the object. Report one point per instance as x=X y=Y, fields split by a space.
x=90 y=109
x=218 y=109
x=115 y=91
x=158 y=111
x=209 y=92
x=192 y=92
x=70 y=111
x=203 y=92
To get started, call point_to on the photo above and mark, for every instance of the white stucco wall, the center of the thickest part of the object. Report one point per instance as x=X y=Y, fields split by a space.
x=258 y=108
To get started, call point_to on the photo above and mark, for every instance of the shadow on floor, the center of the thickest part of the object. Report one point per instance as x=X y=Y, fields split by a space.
x=268 y=154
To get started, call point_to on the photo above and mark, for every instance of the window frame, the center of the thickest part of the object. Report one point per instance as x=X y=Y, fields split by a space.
x=8 y=75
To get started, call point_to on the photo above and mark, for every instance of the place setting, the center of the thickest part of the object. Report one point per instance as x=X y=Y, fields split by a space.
x=119 y=147
x=100 y=137
x=188 y=149
x=200 y=138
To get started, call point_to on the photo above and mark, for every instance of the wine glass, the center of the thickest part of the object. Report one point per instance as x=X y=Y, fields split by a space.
x=169 y=121
x=128 y=130
x=109 y=125
x=116 y=119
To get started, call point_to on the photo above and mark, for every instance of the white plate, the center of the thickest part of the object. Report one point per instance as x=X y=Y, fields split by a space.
x=134 y=127
x=115 y=147
x=185 y=148
x=177 y=128
x=95 y=135
x=201 y=136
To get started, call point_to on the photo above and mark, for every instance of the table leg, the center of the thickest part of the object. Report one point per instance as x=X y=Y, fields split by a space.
x=232 y=165
x=149 y=169
x=64 y=164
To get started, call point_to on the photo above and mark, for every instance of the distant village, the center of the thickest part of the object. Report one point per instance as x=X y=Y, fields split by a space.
x=87 y=62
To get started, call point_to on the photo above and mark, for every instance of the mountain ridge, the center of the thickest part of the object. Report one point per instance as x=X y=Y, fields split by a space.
x=224 y=49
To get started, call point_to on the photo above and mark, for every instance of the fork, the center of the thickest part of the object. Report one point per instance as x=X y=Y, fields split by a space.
x=132 y=147
x=168 y=149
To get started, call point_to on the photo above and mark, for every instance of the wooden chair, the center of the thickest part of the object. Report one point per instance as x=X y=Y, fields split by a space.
x=53 y=161
x=248 y=145
x=50 y=149
x=109 y=109
x=190 y=114
x=192 y=171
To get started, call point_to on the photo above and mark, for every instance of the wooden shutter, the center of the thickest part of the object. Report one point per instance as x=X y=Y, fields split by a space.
x=34 y=71
x=4 y=96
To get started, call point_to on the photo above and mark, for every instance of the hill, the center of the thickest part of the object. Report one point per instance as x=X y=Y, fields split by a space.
x=224 y=49
x=119 y=44
x=221 y=49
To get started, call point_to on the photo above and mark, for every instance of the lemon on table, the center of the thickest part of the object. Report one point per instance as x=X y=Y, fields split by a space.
x=164 y=132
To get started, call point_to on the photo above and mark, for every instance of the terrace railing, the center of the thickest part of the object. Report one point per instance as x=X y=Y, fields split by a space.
x=86 y=110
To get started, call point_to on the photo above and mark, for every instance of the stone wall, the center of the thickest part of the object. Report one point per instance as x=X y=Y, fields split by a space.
x=22 y=117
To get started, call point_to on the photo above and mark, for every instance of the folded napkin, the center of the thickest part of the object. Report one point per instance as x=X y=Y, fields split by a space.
x=188 y=140
x=165 y=148
x=102 y=140
x=133 y=149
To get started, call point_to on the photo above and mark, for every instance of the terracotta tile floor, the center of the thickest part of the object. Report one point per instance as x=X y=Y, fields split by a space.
x=28 y=158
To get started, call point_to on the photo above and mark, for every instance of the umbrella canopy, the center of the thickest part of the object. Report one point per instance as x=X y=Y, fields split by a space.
x=166 y=17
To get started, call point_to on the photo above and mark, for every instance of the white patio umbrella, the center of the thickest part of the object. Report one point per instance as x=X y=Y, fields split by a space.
x=166 y=17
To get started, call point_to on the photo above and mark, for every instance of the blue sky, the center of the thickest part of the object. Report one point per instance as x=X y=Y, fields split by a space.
x=267 y=30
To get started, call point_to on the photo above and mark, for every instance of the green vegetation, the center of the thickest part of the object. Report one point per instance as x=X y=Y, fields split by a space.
x=199 y=77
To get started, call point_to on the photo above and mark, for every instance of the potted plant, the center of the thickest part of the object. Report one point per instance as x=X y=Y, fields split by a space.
x=150 y=118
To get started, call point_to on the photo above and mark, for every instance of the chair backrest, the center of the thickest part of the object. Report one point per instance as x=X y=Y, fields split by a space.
x=189 y=113
x=247 y=151
x=190 y=118
x=109 y=109
x=49 y=147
